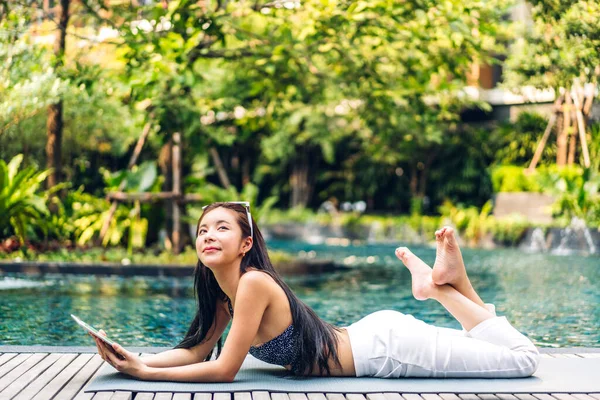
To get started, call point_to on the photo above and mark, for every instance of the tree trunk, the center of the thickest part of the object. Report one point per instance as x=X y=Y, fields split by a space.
x=165 y=162
x=301 y=179
x=245 y=171
x=572 y=149
x=54 y=123
x=221 y=171
x=414 y=180
x=562 y=132
x=54 y=127
x=431 y=155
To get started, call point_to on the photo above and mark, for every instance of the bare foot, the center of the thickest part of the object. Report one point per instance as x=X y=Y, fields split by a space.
x=449 y=266
x=423 y=287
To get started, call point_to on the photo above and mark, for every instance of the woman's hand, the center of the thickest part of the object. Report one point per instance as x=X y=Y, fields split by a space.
x=120 y=359
x=131 y=364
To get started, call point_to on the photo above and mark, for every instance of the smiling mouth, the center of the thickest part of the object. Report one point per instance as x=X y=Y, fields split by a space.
x=209 y=249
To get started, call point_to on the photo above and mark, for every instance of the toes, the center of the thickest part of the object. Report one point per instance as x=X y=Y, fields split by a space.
x=402 y=253
x=449 y=235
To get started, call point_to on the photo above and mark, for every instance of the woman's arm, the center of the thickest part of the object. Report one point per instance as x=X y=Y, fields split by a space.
x=196 y=354
x=252 y=298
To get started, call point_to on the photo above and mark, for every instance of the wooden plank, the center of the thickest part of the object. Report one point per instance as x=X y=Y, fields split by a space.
x=330 y=396
x=38 y=384
x=302 y=396
x=412 y=396
x=7 y=356
x=595 y=395
x=221 y=396
x=120 y=395
x=103 y=395
x=316 y=396
x=242 y=396
x=581 y=396
x=358 y=396
x=280 y=396
x=468 y=396
x=21 y=369
x=84 y=396
x=543 y=396
x=205 y=396
x=563 y=396
x=16 y=386
x=163 y=396
x=449 y=396
x=183 y=396
x=13 y=363
x=144 y=396
x=506 y=396
x=56 y=382
x=430 y=396
x=487 y=396
x=74 y=386
x=393 y=396
x=524 y=396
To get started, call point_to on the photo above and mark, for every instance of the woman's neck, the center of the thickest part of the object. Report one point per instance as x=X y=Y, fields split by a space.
x=228 y=278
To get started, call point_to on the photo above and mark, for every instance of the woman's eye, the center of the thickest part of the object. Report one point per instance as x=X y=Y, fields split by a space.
x=222 y=227
x=201 y=231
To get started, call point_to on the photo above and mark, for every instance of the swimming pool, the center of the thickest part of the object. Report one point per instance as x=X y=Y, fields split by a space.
x=554 y=300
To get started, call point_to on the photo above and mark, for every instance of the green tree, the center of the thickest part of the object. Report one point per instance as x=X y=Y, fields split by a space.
x=560 y=50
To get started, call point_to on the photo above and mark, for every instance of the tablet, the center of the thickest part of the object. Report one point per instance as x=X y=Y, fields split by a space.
x=93 y=331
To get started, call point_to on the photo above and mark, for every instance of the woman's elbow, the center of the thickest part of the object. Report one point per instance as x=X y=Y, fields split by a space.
x=227 y=377
x=226 y=374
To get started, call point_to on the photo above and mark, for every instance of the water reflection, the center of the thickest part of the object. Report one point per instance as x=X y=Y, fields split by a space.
x=554 y=300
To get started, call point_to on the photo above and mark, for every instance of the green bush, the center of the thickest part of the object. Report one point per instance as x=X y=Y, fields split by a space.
x=549 y=179
x=508 y=231
x=472 y=223
x=511 y=178
x=22 y=205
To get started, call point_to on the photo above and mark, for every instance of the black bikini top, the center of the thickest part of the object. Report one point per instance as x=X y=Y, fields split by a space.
x=281 y=350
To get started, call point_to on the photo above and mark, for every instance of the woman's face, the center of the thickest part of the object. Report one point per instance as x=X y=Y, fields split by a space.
x=219 y=238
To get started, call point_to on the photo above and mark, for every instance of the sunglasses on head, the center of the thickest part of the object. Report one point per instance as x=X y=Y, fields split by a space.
x=246 y=204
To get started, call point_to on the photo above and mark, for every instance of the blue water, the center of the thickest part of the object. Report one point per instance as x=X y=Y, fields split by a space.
x=554 y=300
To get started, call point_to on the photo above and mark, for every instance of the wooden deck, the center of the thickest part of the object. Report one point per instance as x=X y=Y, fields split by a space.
x=41 y=373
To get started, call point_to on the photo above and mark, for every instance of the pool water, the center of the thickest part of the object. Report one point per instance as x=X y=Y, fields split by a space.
x=554 y=300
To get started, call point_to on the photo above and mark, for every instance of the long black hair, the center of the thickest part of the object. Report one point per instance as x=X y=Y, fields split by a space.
x=316 y=338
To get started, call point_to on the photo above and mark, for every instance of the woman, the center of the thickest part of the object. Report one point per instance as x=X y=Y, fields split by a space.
x=235 y=280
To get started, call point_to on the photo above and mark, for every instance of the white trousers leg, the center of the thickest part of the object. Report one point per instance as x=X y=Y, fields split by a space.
x=390 y=344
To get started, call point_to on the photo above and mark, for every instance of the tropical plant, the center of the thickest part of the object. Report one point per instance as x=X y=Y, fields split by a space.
x=213 y=193
x=473 y=222
x=22 y=206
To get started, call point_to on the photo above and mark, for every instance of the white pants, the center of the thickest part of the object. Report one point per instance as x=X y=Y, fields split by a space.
x=390 y=344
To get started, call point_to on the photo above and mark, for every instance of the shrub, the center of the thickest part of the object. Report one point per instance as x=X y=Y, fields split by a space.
x=22 y=206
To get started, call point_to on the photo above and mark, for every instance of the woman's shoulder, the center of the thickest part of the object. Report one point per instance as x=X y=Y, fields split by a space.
x=257 y=276
x=259 y=282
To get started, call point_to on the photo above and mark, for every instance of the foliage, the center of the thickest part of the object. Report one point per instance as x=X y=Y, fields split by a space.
x=473 y=222
x=119 y=255
x=283 y=86
x=508 y=231
x=550 y=179
x=28 y=82
x=212 y=193
x=22 y=207
x=562 y=44
x=517 y=141
x=511 y=178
